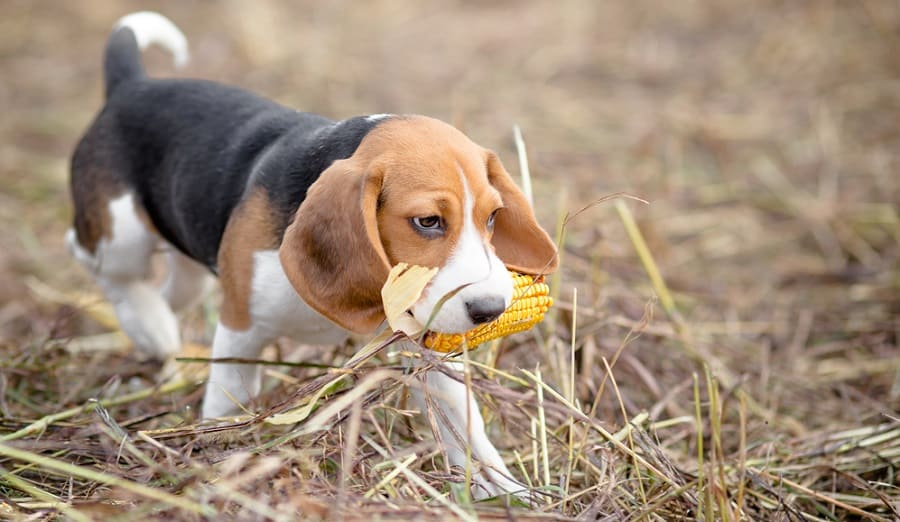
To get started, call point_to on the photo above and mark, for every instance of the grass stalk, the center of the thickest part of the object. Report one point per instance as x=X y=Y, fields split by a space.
x=52 y=501
x=523 y=164
x=415 y=479
x=66 y=468
x=612 y=380
x=570 y=396
x=542 y=429
x=702 y=487
x=41 y=424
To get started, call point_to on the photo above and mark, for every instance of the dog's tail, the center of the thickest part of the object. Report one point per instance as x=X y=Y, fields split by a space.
x=132 y=34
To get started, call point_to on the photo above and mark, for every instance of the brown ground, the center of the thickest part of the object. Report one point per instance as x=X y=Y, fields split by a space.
x=765 y=135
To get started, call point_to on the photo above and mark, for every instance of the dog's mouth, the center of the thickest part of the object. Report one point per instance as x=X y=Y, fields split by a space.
x=448 y=323
x=530 y=302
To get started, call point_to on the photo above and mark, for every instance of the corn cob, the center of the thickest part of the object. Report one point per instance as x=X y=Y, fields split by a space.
x=531 y=300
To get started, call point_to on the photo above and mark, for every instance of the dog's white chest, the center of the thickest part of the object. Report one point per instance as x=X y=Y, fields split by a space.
x=276 y=307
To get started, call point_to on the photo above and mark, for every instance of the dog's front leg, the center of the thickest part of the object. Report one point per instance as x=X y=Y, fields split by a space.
x=232 y=384
x=460 y=423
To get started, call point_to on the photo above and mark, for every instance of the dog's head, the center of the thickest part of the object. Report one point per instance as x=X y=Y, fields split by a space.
x=417 y=191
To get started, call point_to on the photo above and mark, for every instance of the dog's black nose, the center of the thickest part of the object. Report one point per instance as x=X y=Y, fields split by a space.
x=486 y=309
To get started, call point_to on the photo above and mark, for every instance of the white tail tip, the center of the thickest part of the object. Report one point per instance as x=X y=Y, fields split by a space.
x=154 y=28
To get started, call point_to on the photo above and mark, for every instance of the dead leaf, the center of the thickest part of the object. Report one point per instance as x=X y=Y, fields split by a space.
x=403 y=288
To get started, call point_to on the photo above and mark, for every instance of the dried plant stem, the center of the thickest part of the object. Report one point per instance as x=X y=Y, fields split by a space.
x=682 y=328
x=617 y=442
x=103 y=478
x=823 y=497
x=742 y=458
x=467 y=378
x=570 y=396
x=701 y=475
x=53 y=502
x=412 y=477
x=542 y=428
x=627 y=422
x=41 y=424
x=523 y=164
x=643 y=252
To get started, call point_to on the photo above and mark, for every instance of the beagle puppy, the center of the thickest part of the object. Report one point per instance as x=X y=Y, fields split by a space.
x=301 y=219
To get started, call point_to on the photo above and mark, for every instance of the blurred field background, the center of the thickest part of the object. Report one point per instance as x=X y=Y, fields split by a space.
x=758 y=379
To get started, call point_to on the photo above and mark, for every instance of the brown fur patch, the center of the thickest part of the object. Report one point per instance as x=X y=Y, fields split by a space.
x=424 y=158
x=250 y=229
x=518 y=238
x=92 y=189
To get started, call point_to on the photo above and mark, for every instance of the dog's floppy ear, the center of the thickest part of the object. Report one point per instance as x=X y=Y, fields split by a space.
x=332 y=252
x=519 y=240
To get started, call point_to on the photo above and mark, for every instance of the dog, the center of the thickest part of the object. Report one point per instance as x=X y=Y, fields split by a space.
x=300 y=218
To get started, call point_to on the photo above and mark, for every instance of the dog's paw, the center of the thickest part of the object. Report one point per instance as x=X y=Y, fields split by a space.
x=489 y=484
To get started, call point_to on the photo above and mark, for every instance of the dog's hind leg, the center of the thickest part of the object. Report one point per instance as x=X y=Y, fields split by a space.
x=187 y=281
x=120 y=263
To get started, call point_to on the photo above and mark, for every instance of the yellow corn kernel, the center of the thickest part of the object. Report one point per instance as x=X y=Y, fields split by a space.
x=531 y=300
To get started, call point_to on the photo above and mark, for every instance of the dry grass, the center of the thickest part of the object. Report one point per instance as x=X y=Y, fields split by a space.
x=727 y=352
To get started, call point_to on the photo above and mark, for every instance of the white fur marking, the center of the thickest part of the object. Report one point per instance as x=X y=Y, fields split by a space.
x=120 y=265
x=377 y=117
x=127 y=253
x=472 y=262
x=232 y=384
x=154 y=28
x=275 y=310
x=276 y=307
x=145 y=316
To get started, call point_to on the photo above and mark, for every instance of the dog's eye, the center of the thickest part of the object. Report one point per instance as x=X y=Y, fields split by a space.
x=428 y=226
x=490 y=221
x=427 y=222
